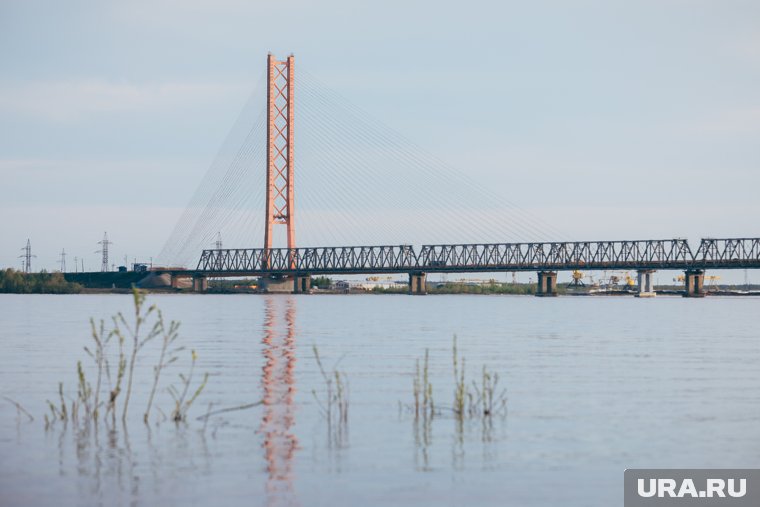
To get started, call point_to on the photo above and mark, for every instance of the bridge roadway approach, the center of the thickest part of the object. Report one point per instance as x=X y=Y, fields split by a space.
x=645 y=256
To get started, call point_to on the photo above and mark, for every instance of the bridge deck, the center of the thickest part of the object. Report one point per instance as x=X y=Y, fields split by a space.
x=729 y=253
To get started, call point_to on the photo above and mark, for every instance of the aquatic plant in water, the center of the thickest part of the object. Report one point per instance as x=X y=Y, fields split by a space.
x=335 y=406
x=482 y=400
x=130 y=338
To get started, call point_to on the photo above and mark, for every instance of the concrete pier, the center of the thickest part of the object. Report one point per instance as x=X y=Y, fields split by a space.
x=200 y=284
x=301 y=284
x=417 y=283
x=646 y=286
x=694 y=281
x=547 y=284
x=298 y=284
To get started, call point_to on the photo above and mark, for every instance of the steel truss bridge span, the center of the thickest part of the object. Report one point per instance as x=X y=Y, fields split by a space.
x=730 y=253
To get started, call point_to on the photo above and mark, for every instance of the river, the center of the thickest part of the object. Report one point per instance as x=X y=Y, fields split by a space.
x=593 y=386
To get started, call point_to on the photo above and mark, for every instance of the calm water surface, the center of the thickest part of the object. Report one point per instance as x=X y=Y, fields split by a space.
x=594 y=386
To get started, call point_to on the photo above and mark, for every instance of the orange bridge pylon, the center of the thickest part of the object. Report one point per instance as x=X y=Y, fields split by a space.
x=280 y=167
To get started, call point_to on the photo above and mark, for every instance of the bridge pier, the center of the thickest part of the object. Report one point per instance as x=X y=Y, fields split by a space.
x=417 y=283
x=694 y=280
x=200 y=284
x=646 y=286
x=174 y=281
x=301 y=284
x=547 y=284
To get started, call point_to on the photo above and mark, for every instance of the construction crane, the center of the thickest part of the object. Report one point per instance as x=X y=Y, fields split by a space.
x=711 y=279
x=577 y=280
x=615 y=279
x=378 y=278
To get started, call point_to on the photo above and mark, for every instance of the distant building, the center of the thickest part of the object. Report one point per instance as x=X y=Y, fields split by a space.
x=380 y=284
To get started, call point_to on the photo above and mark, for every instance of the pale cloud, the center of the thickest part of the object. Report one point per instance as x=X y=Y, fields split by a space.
x=749 y=47
x=72 y=100
x=732 y=121
x=44 y=181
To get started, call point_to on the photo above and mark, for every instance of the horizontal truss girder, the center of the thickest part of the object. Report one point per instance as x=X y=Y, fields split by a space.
x=731 y=253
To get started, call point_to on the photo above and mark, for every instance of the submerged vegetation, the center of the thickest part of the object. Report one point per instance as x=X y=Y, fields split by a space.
x=114 y=368
x=474 y=400
x=471 y=402
x=423 y=390
x=18 y=282
x=334 y=408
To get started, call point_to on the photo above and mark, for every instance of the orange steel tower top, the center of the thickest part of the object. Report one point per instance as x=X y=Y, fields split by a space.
x=280 y=149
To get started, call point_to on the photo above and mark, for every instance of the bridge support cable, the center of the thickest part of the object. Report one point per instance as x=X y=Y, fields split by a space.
x=384 y=135
x=224 y=194
x=353 y=216
x=222 y=176
x=425 y=174
x=226 y=209
x=403 y=186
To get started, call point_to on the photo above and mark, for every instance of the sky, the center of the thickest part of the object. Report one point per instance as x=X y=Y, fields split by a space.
x=605 y=119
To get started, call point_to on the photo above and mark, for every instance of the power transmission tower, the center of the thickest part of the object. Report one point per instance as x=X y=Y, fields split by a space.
x=62 y=262
x=104 y=251
x=218 y=242
x=27 y=257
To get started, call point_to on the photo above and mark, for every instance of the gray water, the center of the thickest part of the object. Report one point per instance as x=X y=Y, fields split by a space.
x=594 y=386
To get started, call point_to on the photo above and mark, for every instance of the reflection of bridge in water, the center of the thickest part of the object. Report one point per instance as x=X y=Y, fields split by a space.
x=278 y=384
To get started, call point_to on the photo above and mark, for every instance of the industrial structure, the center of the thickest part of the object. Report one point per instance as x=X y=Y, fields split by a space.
x=26 y=257
x=104 y=251
x=62 y=260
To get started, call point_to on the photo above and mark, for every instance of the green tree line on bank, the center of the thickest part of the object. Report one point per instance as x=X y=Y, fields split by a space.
x=490 y=288
x=17 y=282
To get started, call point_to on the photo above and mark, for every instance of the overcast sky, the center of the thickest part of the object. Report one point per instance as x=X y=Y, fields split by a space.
x=606 y=119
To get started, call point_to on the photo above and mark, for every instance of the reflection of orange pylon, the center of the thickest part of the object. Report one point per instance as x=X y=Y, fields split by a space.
x=278 y=382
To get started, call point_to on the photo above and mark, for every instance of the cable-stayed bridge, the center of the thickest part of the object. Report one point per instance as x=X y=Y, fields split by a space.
x=352 y=153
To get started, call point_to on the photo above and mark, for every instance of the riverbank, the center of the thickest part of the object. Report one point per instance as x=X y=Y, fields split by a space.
x=17 y=282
